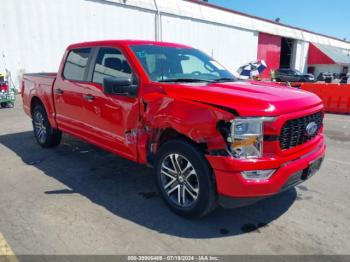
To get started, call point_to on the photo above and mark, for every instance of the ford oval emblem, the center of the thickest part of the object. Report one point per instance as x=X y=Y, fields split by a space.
x=311 y=128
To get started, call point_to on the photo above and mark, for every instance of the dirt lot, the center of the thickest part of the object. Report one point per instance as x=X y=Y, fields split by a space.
x=78 y=199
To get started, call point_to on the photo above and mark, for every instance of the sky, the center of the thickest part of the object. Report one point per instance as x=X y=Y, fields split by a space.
x=321 y=16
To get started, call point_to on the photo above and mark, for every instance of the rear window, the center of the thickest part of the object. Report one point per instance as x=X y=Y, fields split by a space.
x=76 y=64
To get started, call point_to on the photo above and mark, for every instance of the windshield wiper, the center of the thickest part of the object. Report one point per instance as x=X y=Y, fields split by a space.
x=224 y=79
x=184 y=80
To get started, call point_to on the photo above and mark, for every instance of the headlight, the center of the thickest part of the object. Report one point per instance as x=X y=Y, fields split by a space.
x=246 y=139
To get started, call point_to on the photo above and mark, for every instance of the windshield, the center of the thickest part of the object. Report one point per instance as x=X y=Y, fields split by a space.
x=174 y=64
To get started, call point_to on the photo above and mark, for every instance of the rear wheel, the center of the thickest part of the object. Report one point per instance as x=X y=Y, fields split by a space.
x=45 y=135
x=185 y=179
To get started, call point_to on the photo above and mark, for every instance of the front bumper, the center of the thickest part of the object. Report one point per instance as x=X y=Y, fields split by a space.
x=293 y=180
x=231 y=185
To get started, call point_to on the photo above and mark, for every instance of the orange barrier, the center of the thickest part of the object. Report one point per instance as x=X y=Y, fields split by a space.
x=336 y=97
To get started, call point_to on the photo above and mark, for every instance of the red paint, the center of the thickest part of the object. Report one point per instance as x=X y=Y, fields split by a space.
x=269 y=49
x=317 y=57
x=336 y=97
x=132 y=127
x=35 y=86
x=231 y=184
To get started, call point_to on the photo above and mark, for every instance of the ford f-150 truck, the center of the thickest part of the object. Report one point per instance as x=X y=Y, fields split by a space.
x=210 y=138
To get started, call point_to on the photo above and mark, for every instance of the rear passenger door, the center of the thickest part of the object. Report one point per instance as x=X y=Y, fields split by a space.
x=112 y=119
x=68 y=90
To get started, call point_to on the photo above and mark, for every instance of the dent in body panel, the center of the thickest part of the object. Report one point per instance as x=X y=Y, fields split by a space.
x=194 y=120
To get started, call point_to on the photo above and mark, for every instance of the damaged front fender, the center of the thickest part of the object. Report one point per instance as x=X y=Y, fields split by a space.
x=195 y=120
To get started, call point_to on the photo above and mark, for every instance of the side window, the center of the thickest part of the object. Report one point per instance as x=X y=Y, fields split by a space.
x=110 y=62
x=76 y=64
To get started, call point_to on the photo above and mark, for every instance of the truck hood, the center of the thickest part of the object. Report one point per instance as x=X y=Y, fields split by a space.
x=250 y=98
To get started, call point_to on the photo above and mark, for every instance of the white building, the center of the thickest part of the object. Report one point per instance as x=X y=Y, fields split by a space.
x=34 y=34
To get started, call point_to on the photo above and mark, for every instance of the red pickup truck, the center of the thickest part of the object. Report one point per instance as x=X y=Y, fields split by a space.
x=210 y=138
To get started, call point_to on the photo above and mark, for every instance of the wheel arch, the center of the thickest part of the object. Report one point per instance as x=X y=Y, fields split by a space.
x=34 y=102
x=192 y=121
x=172 y=134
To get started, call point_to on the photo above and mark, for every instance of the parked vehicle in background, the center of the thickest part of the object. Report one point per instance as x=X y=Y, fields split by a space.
x=345 y=79
x=326 y=76
x=7 y=94
x=211 y=139
x=292 y=75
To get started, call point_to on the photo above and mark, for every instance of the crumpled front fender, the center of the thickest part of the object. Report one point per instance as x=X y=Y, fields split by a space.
x=197 y=121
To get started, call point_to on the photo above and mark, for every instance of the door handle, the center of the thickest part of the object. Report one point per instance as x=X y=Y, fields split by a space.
x=88 y=97
x=59 y=91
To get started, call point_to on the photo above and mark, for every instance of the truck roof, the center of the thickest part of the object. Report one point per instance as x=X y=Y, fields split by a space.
x=124 y=42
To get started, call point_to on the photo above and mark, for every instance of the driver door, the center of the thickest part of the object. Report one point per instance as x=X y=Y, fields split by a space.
x=113 y=119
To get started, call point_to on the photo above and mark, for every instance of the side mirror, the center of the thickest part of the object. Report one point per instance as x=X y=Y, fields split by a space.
x=119 y=86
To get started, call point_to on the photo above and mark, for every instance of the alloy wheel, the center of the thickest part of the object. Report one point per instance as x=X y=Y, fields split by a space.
x=179 y=180
x=39 y=127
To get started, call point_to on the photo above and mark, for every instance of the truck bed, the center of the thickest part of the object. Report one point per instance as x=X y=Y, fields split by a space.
x=39 y=85
x=42 y=78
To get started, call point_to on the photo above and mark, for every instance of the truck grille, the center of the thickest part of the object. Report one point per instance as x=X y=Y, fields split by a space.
x=294 y=131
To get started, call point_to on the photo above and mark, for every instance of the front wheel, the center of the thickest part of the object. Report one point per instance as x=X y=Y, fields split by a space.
x=45 y=135
x=185 y=179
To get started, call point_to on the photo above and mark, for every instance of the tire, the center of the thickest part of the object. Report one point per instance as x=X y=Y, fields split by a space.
x=45 y=135
x=278 y=80
x=196 y=179
x=3 y=104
